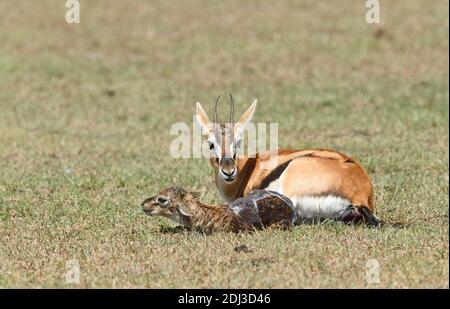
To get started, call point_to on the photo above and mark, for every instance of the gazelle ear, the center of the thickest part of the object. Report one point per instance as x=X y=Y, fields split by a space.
x=245 y=118
x=202 y=119
x=185 y=210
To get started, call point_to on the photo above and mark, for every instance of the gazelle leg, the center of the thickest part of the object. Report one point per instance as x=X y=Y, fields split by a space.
x=357 y=214
x=369 y=218
x=351 y=215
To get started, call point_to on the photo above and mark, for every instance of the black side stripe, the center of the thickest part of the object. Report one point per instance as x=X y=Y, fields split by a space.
x=274 y=174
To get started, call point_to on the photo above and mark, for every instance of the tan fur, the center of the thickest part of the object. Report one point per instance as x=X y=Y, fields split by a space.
x=311 y=172
x=210 y=219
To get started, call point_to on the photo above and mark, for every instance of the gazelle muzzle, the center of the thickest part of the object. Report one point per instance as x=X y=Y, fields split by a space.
x=227 y=168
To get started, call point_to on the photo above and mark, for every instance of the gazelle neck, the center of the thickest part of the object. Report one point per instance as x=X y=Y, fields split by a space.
x=230 y=191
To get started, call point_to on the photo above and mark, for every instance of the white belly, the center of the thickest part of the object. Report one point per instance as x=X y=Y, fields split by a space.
x=314 y=207
x=320 y=207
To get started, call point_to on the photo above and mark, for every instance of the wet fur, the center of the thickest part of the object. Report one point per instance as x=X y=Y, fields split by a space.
x=260 y=209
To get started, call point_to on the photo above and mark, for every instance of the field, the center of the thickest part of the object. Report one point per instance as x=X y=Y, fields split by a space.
x=86 y=109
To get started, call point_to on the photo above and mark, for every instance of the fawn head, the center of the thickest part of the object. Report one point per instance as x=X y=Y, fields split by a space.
x=173 y=203
x=224 y=140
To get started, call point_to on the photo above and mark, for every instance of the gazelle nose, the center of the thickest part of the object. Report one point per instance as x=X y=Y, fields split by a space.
x=228 y=173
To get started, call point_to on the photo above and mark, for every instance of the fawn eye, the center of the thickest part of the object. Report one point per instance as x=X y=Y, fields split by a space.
x=162 y=201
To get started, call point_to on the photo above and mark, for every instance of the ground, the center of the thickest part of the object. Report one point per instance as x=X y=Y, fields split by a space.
x=86 y=111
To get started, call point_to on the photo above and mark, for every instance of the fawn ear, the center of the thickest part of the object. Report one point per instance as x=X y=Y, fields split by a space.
x=185 y=210
x=196 y=194
x=203 y=120
x=245 y=118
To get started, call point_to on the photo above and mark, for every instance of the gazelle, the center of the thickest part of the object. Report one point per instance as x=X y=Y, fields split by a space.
x=261 y=208
x=322 y=184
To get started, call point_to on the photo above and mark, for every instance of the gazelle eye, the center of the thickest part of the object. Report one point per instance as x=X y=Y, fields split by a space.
x=162 y=201
x=211 y=146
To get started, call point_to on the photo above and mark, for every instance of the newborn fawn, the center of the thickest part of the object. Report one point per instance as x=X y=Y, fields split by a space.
x=261 y=208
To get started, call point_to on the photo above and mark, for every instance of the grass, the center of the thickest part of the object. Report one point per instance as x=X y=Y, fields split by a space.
x=84 y=132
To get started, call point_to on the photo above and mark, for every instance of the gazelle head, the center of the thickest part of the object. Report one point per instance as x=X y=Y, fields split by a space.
x=173 y=203
x=224 y=140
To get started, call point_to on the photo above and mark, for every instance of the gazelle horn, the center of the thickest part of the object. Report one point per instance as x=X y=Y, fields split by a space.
x=215 y=117
x=231 y=111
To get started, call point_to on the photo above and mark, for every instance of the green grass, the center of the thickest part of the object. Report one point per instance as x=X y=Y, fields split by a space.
x=85 y=113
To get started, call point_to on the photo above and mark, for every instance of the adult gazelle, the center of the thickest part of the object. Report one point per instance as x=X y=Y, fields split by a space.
x=322 y=183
